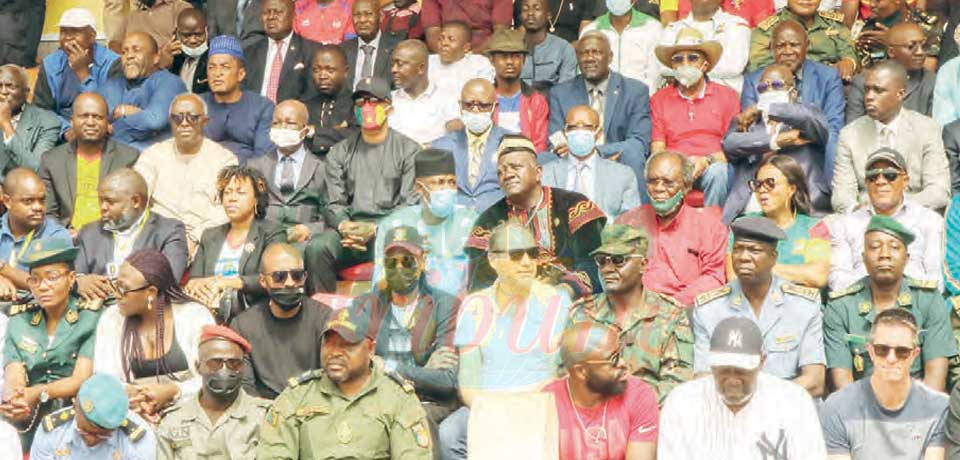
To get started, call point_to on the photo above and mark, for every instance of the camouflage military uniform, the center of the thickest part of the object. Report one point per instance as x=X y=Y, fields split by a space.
x=185 y=432
x=829 y=39
x=658 y=341
x=312 y=419
x=932 y=27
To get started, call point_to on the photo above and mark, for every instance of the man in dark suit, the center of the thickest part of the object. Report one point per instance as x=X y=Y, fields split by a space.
x=58 y=166
x=277 y=66
x=623 y=103
x=21 y=24
x=818 y=84
x=369 y=54
x=800 y=130
x=186 y=54
x=331 y=107
x=126 y=225
x=225 y=18
x=905 y=44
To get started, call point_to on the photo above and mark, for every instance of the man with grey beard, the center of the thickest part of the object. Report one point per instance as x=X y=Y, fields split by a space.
x=126 y=225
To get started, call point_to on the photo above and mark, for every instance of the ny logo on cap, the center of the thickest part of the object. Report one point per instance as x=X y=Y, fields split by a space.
x=735 y=339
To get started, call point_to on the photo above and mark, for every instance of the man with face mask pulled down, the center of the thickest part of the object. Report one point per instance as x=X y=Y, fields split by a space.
x=222 y=421
x=186 y=54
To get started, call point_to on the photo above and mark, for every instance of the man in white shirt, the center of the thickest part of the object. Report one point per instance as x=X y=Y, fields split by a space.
x=421 y=111
x=738 y=412
x=454 y=65
x=633 y=36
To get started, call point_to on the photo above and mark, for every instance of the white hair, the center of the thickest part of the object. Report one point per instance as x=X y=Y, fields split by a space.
x=203 y=104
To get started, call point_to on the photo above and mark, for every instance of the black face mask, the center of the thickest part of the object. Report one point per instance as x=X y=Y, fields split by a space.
x=402 y=280
x=223 y=384
x=286 y=298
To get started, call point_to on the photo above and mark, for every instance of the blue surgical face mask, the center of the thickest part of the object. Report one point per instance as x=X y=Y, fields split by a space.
x=581 y=142
x=476 y=122
x=442 y=202
x=619 y=7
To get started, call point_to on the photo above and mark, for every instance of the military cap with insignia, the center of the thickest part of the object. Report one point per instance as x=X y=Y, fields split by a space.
x=890 y=226
x=434 y=162
x=352 y=324
x=46 y=251
x=757 y=229
x=404 y=237
x=103 y=401
x=620 y=239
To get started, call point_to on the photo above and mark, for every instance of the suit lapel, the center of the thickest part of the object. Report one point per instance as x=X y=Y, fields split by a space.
x=351 y=49
x=148 y=229
x=610 y=106
x=253 y=237
x=462 y=160
x=106 y=160
x=71 y=171
x=257 y=71
x=310 y=164
x=270 y=175
x=292 y=57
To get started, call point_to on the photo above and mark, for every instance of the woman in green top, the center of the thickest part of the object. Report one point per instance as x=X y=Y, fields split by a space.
x=780 y=186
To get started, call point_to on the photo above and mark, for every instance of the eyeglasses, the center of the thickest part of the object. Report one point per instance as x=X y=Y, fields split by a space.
x=403 y=261
x=618 y=260
x=215 y=364
x=476 y=106
x=34 y=281
x=890 y=174
x=517 y=255
x=366 y=100
x=775 y=85
x=122 y=292
x=191 y=118
x=580 y=127
x=912 y=46
x=280 y=276
x=883 y=351
x=613 y=360
x=692 y=58
x=765 y=184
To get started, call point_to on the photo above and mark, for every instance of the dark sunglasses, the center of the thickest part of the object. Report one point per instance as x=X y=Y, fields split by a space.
x=883 y=351
x=776 y=85
x=618 y=260
x=692 y=58
x=765 y=184
x=191 y=118
x=360 y=101
x=890 y=174
x=215 y=364
x=279 y=276
x=404 y=261
x=517 y=255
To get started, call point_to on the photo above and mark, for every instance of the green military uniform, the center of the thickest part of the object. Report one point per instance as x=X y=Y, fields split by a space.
x=850 y=314
x=932 y=27
x=656 y=336
x=829 y=39
x=312 y=419
x=186 y=433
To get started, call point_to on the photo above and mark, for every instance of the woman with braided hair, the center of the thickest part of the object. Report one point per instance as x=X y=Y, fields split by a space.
x=149 y=339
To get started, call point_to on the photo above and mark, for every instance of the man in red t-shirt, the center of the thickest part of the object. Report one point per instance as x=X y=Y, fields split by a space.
x=604 y=412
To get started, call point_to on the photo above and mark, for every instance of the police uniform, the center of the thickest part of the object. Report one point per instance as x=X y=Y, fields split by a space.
x=313 y=419
x=931 y=25
x=186 y=433
x=104 y=402
x=829 y=39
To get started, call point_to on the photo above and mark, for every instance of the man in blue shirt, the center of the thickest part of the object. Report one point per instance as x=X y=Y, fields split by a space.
x=139 y=101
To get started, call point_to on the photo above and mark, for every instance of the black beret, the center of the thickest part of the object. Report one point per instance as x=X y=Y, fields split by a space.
x=757 y=228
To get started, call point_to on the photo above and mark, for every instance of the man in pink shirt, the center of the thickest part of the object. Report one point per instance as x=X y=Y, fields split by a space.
x=604 y=412
x=688 y=245
x=324 y=21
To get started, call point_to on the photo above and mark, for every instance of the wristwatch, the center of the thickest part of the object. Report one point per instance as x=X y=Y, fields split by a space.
x=44 y=396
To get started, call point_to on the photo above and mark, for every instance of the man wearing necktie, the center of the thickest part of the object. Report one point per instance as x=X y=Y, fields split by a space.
x=278 y=66
x=369 y=53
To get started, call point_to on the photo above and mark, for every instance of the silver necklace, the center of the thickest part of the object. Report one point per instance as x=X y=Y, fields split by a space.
x=596 y=434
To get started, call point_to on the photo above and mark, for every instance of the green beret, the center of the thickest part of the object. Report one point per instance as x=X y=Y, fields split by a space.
x=890 y=226
x=619 y=239
x=46 y=251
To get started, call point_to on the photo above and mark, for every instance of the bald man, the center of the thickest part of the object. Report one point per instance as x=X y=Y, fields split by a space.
x=905 y=45
x=124 y=226
x=421 y=111
x=609 y=184
x=158 y=18
x=72 y=172
x=138 y=101
x=24 y=196
x=26 y=130
x=186 y=54
x=475 y=145
x=598 y=380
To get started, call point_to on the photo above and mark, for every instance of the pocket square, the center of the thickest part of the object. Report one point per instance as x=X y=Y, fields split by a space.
x=299 y=66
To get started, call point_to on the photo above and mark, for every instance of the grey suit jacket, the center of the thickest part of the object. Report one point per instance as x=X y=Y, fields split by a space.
x=262 y=233
x=222 y=19
x=920 y=142
x=919 y=96
x=37 y=131
x=307 y=204
x=166 y=235
x=614 y=184
x=58 y=171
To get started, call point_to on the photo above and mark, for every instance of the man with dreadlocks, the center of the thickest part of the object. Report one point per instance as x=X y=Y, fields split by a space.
x=149 y=339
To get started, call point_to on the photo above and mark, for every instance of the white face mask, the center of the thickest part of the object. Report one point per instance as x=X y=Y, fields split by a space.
x=764 y=100
x=688 y=75
x=194 y=52
x=619 y=7
x=286 y=138
x=476 y=122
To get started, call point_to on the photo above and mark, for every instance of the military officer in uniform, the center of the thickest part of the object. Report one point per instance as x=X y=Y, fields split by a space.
x=48 y=349
x=655 y=334
x=850 y=312
x=787 y=314
x=222 y=421
x=830 y=41
x=350 y=408
x=99 y=426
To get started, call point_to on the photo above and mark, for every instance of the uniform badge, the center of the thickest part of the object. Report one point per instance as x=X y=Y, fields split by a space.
x=274 y=418
x=344 y=434
x=37 y=317
x=865 y=308
x=858 y=363
x=87 y=406
x=904 y=298
x=248 y=248
x=421 y=435
x=28 y=345
x=831 y=32
x=72 y=316
x=62 y=452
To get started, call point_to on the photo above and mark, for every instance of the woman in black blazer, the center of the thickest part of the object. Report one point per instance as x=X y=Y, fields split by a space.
x=228 y=257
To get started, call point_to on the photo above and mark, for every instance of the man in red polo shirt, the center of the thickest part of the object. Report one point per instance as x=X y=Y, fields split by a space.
x=482 y=15
x=692 y=115
x=324 y=21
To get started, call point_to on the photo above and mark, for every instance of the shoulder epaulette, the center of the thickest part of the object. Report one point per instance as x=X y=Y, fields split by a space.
x=809 y=293
x=925 y=284
x=90 y=305
x=304 y=377
x=832 y=15
x=856 y=287
x=133 y=431
x=712 y=295
x=404 y=383
x=768 y=23
x=58 y=418
x=169 y=410
x=16 y=309
x=671 y=300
